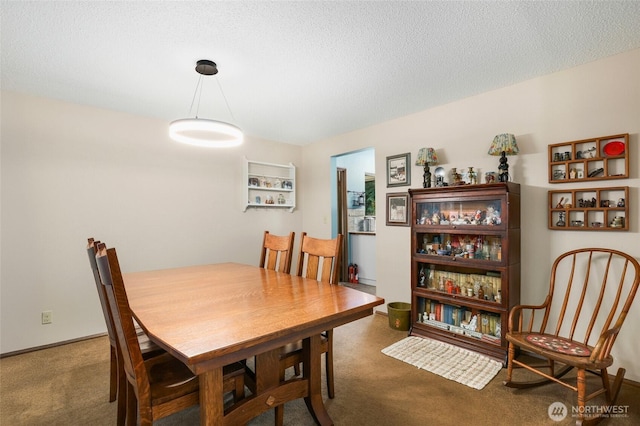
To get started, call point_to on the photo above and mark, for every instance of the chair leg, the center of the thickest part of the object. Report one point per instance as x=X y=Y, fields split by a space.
x=122 y=394
x=582 y=391
x=238 y=392
x=132 y=406
x=511 y=355
x=113 y=380
x=329 y=365
x=279 y=412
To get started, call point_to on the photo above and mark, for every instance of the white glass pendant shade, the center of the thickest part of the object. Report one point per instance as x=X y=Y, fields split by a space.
x=206 y=133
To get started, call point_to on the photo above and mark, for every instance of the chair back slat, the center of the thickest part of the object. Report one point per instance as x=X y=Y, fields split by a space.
x=277 y=252
x=595 y=288
x=92 y=248
x=315 y=252
x=112 y=281
x=603 y=291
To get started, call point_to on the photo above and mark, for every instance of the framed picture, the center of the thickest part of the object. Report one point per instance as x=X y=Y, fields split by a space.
x=398 y=209
x=399 y=170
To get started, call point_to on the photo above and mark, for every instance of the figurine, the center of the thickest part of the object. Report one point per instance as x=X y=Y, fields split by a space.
x=473 y=176
x=472 y=325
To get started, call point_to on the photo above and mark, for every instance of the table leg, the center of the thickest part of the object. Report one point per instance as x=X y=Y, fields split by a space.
x=312 y=370
x=211 y=397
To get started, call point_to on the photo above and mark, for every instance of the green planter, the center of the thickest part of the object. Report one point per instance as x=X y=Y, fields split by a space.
x=399 y=315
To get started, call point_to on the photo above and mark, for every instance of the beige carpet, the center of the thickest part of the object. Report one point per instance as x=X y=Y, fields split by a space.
x=451 y=362
x=68 y=386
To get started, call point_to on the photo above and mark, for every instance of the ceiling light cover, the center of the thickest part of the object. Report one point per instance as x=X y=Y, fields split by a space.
x=206 y=133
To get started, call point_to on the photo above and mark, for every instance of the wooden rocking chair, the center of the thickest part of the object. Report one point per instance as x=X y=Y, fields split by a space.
x=590 y=293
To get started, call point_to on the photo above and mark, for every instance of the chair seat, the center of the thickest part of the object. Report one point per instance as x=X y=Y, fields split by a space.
x=295 y=349
x=558 y=344
x=166 y=376
x=551 y=347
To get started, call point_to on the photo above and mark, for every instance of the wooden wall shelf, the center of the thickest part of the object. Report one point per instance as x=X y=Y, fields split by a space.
x=589 y=209
x=601 y=158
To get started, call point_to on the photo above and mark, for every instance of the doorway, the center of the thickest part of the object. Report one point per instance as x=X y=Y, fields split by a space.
x=353 y=212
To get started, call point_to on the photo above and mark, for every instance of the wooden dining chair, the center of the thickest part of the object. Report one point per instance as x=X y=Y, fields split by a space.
x=117 y=383
x=277 y=252
x=590 y=294
x=159 y=386
x=318 y=259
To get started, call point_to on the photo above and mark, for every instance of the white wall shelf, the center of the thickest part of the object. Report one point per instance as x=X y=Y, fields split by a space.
x=269 y=185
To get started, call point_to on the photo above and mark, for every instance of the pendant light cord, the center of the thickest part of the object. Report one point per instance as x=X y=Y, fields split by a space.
x=225 y=100
x=198 y=92
x=199 y=84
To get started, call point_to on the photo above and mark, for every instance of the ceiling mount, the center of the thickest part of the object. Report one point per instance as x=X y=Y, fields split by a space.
x=206 y=67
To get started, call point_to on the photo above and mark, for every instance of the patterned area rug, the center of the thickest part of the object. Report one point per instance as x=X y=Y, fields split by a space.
x=451 y=362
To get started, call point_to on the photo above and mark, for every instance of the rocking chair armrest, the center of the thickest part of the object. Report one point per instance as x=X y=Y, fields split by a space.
x=516 y=312
x=604 y=344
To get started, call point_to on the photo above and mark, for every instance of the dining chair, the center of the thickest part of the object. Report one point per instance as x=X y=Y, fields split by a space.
x=277 y=252
x=162 y=385
x=117 y=383
x=318 y=259
x=590 y=294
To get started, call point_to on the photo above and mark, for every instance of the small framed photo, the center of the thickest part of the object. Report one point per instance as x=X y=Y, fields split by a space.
x=399 y=170
x=398 y=209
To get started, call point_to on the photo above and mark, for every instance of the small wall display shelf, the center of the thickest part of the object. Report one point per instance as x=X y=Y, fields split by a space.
x=602 y=158
x=589 y=209
x=269 y=185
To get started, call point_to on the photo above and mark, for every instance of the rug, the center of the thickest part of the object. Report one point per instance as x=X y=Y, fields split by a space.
x=451 y=362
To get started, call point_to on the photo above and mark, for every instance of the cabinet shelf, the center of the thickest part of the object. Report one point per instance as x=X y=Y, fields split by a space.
x=465 y=264
x=602 y=158
x=269 y=185
x=589 y=209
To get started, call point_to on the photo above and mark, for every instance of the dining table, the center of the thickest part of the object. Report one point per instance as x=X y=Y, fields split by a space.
x=208 y=316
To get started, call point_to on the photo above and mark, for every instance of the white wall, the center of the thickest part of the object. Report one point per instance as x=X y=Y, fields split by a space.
x=597 y=99
x=70 y=172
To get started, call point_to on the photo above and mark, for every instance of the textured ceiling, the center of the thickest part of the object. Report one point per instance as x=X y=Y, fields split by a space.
x=298 y=72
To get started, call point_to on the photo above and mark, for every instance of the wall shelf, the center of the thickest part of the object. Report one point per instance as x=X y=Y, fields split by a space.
x=269 y=185
x=602 y=158
x=589 y=209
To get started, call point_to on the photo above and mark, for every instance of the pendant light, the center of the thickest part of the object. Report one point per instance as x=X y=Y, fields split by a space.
x=201 y=131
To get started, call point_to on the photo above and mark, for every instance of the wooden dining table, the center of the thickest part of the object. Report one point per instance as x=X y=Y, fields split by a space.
x=208 y=316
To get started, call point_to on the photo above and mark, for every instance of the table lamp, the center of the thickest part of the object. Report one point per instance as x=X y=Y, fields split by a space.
x=504 y=144
x=426 y=157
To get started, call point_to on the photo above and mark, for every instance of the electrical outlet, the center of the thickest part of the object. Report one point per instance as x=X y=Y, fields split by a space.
x=47 y=317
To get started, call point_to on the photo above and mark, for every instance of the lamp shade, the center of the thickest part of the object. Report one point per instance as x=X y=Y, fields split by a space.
x=206 y=133
x=427 y=156
x=504 y=142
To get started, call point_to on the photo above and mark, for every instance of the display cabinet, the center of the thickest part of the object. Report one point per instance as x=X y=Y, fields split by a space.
x=602 y=158
x=269 y=185
x=465 y=264
x=589 y=209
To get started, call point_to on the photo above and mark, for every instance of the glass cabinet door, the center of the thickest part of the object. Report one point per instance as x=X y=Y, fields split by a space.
x=459 y=213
